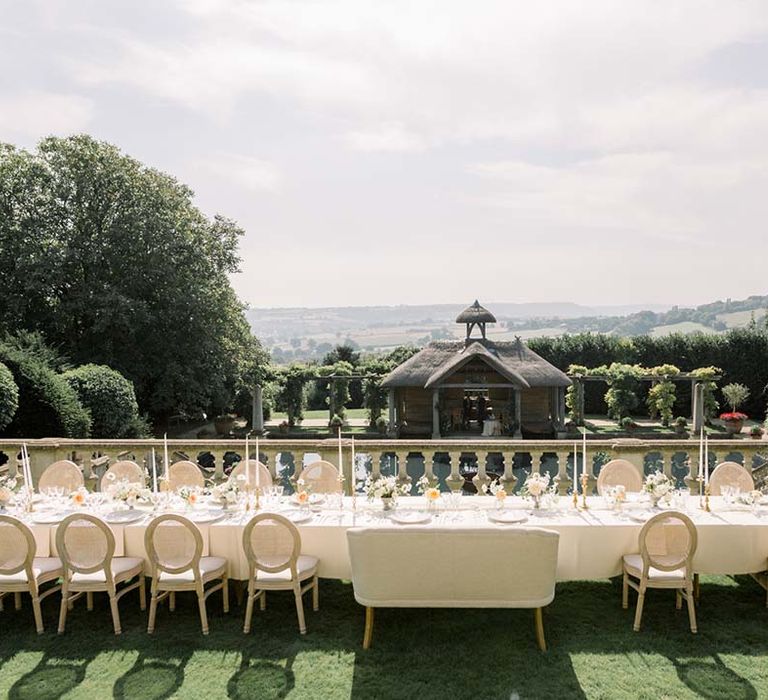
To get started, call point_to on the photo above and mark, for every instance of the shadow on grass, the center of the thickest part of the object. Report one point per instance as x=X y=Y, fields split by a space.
x=424 y=653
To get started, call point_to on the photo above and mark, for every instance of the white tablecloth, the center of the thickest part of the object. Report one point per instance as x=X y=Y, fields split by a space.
x=592 y=542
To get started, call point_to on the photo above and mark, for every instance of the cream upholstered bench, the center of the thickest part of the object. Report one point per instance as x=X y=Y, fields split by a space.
x=417 y=567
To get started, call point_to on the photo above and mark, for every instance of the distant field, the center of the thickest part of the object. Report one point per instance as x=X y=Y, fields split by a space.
x=684 y=327
x=739 y=319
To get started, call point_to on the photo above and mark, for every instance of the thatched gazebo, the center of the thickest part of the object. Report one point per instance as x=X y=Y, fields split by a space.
x=465 y=387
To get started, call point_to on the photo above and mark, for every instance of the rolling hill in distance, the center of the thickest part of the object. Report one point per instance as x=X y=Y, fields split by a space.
x=308 y=333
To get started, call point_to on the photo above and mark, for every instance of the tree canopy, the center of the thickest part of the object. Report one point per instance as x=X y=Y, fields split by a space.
x=111 y=261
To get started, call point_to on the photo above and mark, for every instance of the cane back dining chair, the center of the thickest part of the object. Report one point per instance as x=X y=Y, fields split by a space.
x=730 y=474
x=174 y=547
x=123 y=470
x=61 y=475
x=86 y=545
x=272 y=545
x=619 y=472
x=321 y=477
x=254 y=467
x=667 y=545
x=185 y=473
x=21 y=571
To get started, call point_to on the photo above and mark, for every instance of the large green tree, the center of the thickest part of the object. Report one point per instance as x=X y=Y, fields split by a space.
x=111 y=261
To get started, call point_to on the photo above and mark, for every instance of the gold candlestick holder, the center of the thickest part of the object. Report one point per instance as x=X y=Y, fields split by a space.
x=584 y=484
x=706 y=499
x=575 y=497
x=256 y=504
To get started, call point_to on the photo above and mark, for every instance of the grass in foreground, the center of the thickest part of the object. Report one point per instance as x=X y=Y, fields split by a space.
x=419 y=653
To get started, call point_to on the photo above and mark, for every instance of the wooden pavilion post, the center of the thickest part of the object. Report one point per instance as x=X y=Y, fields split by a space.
x=518 y=415
x=435 y=414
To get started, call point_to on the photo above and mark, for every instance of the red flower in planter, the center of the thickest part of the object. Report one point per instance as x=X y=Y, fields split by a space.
x=733 y=416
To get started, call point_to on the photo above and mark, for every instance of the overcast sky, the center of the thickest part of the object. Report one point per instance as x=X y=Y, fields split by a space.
x=420 y=152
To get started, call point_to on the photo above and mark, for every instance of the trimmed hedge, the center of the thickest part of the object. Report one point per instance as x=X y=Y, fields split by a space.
x=9 y=396
x=110 y=398
x=48 y=406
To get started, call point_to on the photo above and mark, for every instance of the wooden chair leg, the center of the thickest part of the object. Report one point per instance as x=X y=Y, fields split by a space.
x=64 y=607
x=115 y=611
x=678 y=599
x=249 y=607
x=639 y=608
x=17 y=601
x=238 y=589
x=225 y=592
x=315 y=595
x=172 y=601
x=697 y=588
x=539 y=620
x=368 y=634
x=152 y=606
x=263 y=601
x=142 y=592
x=89 y=601
x=38 y=613
x=201 y=605
x=300 y=608
x=625 y=591
x=691 y=607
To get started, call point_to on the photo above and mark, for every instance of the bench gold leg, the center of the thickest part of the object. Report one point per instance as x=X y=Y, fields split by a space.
x=540 y=630
x=368 y=636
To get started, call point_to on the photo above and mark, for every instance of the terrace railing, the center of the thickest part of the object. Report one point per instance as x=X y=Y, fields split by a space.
x=453 y=463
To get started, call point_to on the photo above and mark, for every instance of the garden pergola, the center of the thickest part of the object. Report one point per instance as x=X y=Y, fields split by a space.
x=697 y=390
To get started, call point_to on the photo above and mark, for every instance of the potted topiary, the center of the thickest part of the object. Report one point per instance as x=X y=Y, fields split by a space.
x=628 y=424
x=381 y=425
x=335 y=424
x=224 y=424
x=756 y=432
x=735 y=395
x=681 y=425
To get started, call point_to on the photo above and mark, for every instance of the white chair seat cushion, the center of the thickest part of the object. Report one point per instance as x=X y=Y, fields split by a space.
x=210 y=567
x=122 y=568
x=42 y=567
x=633 y=564
x=305 y=567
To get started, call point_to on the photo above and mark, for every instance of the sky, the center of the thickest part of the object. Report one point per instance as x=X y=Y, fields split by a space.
x=418 y=152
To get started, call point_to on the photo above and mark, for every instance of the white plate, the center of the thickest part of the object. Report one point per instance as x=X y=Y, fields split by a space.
x=51 y=517
x=506 y=517
x=297 y=516
x=124 y=516
x=410 y=517
x=206 y=516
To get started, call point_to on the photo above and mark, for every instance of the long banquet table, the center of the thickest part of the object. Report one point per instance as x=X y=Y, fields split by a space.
x=732 y=539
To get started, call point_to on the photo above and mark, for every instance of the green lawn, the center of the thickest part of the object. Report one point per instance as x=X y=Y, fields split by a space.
x=416 y=654
x=323 y=414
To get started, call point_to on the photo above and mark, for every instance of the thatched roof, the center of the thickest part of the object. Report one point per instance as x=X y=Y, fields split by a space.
x=512 y=360
x=475 y=314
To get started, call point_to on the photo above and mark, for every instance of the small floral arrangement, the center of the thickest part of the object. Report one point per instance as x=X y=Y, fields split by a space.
x=384 y=487
x=750 y=498
x=301 y=493
x=425 y=488
x=79 y=496
x=537 y=486
x=658 y=485
x=7 y=487
x=189 y=494
x=495 y=489
x=128 y=492
x=616 y=495
x=733 y=416
x=226 y=492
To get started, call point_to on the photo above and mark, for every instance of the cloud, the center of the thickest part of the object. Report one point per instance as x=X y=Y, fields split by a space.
x=246 y=172
x=385 y=137
x=36 y=114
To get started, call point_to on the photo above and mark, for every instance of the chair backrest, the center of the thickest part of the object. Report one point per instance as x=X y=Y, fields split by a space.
x=619 y=472
x=185 y=474
x=668 y=541
x=17 y=547
x=730 y=474
x=85 y=544
x=445 y=567
x=321 y=477
x=174 y=545
x=271 y=543
x=265 y=478
x=124 y=471
x=63 y=475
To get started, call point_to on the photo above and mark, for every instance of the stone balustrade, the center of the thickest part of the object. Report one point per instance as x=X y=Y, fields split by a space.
x=454 y=463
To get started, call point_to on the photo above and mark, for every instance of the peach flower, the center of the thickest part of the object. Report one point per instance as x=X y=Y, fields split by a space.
x=302 y=496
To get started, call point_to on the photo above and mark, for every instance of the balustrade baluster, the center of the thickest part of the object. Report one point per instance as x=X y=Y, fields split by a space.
x=402 y=467
x=455 y=479
x=481 y=479
x=509 y=477
x=564 y=482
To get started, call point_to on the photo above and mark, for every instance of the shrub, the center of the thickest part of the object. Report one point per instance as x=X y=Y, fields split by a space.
x=48 y=406
x=9 y=396
x=110 y=398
